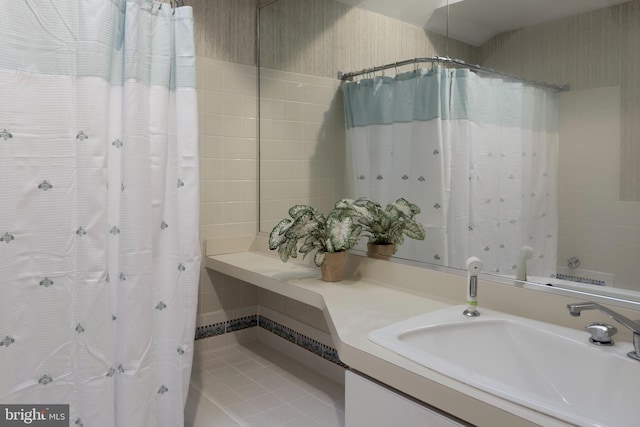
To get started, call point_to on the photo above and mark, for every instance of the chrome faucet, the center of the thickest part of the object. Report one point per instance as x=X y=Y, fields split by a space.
x=576 y=309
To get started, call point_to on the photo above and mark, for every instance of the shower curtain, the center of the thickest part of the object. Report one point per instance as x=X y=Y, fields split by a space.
x=477 y=154
x=99 y=250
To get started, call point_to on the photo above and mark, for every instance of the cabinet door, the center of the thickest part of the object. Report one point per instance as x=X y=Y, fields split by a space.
x=368 y=404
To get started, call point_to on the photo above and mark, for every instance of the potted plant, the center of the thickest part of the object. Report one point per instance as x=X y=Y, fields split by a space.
x=386 y=228
x=330 y=236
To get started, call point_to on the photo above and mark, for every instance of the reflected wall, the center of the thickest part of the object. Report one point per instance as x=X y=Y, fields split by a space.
x=303 y=44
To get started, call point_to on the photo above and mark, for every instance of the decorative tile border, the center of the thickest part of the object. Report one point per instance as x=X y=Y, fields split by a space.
x=309 y=344
x=579 y=279
x=278 y=329
x=242 y=323
x=226 y=327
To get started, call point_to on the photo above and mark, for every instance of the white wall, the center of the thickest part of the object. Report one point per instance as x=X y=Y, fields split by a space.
x=302 y=144
x=595 y=225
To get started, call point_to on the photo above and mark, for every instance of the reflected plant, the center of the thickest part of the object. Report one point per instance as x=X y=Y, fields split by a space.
x=335 y=232
x=387 y=226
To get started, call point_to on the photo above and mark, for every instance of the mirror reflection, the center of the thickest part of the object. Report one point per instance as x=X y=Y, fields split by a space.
x=513 y=166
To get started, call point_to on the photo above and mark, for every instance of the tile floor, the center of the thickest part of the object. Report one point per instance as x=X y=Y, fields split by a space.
x=247 y=385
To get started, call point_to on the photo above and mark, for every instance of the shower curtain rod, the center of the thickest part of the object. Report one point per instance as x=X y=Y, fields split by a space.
x=456 y=62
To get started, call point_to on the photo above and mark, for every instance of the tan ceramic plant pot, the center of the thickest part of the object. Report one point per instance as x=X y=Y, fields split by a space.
x=380 y=251
x=333 y=267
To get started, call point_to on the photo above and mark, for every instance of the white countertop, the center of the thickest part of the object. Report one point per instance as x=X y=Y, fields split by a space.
x=355 y=307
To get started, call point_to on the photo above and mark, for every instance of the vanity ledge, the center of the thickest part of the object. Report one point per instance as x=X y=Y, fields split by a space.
x=378 y=293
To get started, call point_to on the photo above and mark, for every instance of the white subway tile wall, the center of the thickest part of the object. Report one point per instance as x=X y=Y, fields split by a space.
x=308 y=115
x=302 y=145
x=228 y=139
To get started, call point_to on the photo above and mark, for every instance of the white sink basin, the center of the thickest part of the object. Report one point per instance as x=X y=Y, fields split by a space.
x=548 y=368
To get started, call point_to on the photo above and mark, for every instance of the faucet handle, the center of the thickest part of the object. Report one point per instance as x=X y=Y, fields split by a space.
x=601 y=333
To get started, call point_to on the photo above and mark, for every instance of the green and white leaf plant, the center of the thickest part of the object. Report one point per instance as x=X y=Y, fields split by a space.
x=388 y=226
x=335 y=232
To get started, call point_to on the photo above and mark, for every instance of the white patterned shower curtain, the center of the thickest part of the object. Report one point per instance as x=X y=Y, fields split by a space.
x=477 y=154
x=99 y=250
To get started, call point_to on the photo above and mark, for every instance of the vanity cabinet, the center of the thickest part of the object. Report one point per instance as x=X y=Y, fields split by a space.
x=369 y=404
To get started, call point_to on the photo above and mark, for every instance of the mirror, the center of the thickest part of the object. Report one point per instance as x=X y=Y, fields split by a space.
x=595 y=50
